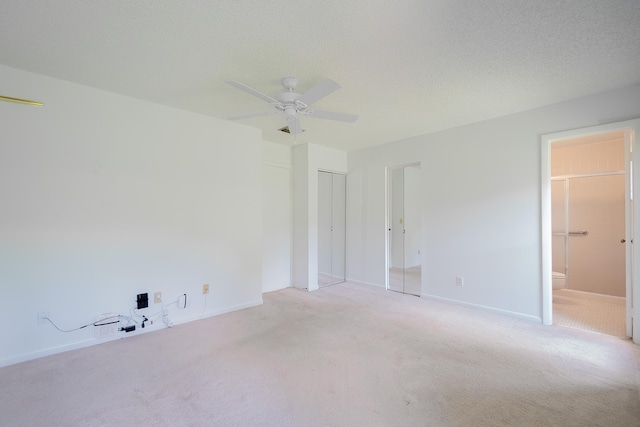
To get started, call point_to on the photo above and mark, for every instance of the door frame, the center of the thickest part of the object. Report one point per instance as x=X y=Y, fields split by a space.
x=632 y=217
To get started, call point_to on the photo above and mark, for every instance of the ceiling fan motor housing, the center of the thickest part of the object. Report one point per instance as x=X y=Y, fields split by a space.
x=288 y=97
x=289 y=103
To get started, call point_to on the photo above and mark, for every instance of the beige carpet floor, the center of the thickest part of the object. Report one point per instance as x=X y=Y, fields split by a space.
x=604 y=314
x=345 y=355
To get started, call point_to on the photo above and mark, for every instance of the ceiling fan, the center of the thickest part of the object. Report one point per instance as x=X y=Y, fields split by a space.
x=20 y=101
x=292 y=104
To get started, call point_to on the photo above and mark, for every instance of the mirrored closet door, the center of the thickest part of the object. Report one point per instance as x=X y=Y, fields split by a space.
x=405 y=270
x=331 y=228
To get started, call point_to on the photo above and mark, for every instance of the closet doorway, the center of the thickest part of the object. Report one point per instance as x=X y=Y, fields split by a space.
x=331 y=228
x=404 y=268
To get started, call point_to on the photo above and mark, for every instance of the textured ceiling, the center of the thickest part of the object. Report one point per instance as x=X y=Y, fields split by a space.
x=406 y=67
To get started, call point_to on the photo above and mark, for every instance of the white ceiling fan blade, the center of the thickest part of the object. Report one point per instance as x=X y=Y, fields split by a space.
x=330 y=115
x=248 y=116
x=294 y=125
x=319 y=91
x=251 y=91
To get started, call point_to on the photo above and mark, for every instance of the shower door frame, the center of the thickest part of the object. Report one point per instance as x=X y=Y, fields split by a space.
x=567 y=214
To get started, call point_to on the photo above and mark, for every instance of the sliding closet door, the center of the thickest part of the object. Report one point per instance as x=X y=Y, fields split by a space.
x=331 y=228
x=324 y=228
x=405 y=231
x=338 y=230
x=413 y=231
x=396 y=230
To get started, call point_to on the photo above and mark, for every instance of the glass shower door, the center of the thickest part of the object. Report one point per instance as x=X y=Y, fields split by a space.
x=596 y=250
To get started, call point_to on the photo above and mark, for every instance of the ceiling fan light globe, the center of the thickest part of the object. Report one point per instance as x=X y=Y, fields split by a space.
x=290 y=113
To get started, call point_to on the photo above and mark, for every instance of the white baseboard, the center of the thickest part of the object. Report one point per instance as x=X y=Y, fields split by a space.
x=55 y=350
x=275 y=288
x=95 y=341
x=268 y=291
x=213 y=313
x=360 y=282
x=528 y=317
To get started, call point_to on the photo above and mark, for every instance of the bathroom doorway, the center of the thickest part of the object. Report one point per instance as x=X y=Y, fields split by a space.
x=627 y=130
x=588 y=232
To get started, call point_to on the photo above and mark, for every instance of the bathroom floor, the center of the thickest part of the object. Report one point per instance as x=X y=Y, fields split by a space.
x=588 y=311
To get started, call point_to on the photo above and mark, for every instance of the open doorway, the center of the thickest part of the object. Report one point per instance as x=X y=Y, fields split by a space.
x=588 y=178
x=628 y=129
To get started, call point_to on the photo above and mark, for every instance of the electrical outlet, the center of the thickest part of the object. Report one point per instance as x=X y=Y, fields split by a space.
x=459 y=281
x=205 y=289
x=41 y=317
x=157 y=298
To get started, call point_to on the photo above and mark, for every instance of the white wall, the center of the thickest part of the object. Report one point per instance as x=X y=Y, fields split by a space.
x=104 y=197
x=481 y=203
x=300 y=224
x=276 y=216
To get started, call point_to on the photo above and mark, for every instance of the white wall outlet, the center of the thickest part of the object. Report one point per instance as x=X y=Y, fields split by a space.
x=41 y=317
x=205 y=289
x=459 y=281
x=157 y=298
